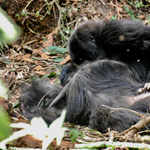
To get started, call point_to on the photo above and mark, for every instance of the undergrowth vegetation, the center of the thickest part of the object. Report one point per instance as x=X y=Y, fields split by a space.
x=41 y=51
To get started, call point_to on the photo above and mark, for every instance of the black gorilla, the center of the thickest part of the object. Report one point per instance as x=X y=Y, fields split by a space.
x=96 y=89
x=30 y=105
x=124 y=40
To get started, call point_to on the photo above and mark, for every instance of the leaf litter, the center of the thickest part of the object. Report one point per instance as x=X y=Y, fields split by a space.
x=42 y=50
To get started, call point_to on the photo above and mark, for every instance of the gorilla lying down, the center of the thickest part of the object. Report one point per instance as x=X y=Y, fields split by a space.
x=91 y=97
x=127 y=41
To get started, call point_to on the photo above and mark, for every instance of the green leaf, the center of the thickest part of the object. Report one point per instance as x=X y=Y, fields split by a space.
x=45 y=76
x=55 y=49
x=41 y=18
x=113 y=18
x=52 y=74
x=15 y=105
x=149 y=19
x=37 y=14
x=132 y=15
x=73 y=135
x=138 y=4
x=72 y=31
x=4 y=124
x=126 y=8
x=17 y=15
x=58 y=59
x=13 y=70
x=23 y=13
x=7 y=62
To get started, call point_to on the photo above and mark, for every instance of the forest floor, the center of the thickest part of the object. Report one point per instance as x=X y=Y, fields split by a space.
x=41 y=50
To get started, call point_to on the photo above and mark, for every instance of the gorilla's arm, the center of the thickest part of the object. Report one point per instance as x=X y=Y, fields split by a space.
x=67 y=73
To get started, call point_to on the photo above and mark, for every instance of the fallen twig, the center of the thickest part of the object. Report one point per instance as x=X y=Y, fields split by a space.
x=113 y=144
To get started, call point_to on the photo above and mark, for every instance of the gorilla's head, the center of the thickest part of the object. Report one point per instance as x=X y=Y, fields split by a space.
x=83 y=44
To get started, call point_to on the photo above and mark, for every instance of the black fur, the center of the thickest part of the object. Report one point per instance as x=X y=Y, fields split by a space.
x=67 y=73
x=118 y=120
x=41 y=89
x=29 y=99
x=104 y=82
x=124 y=40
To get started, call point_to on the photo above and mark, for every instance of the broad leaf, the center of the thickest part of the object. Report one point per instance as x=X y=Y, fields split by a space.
x=55 y=49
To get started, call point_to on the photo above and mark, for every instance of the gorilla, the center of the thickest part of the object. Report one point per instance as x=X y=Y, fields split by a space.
x=127 y=41
x=37 y=97
x=102 y=94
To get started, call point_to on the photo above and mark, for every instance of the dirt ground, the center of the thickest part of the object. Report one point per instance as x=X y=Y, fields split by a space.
x=47 y=23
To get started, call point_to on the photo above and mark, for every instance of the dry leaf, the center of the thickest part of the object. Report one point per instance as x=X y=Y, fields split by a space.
x=142 y=17
x=13 y=56
x=5 y=104
x=26 y=56
x=37 y=68
x=27 y=141
x=44 y=56
x=120 y=9
x=49 y=41
x=42 y=73
x=110 y=15
x=38 y=51
x=65 y=60
x=28 y=59
x=17 y=58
